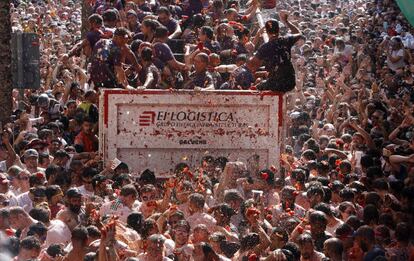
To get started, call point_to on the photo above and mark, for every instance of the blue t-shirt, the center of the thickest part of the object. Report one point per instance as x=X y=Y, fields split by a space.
x=162 y=55
x=213 y=46
x=376 y=251
x=171 y=25
x=93 y=37
x=202 y=80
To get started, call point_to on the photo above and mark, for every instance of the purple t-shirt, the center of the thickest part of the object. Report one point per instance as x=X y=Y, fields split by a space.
x=243 y=77
x=162 y=55
x=213 y=46
x=203 y=80
x=171 y=25
x=93 y=37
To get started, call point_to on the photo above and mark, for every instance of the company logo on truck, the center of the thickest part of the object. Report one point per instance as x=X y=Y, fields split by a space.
x=147 y=118
x=189 y=119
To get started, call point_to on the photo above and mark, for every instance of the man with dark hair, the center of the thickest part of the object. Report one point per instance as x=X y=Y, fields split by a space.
x=122 y=168
x=279 y=237
x=149 y=204
x=370 y=215
x=164 y=17
x=307 y=249
x=196 y=208
x=87 y=189
x=29 y=249
x=150 y=76
x=318 y=222
x=280 y=212
x=89 y=105
x=79 y=243
x=122 y=206
x=40 y=214
x=206 y=37
x=155 y=248
x=365 y=239
x=180 y=233
x=234 y=199
x=400 y=251
x=20 y=220
x=162 y=52
x=133 y=24
x=110 y=19
x=147 y=177
x=61 y=158
x=135 y=221
x=276 y=56
x=100 y=185
x=107 y=58
x=315 y=194
x=71 y=214
x=333 y=222
x=333 y=248
x=345 y=233
x=92 y=37
x=200 y=79
x=38 y=230
x=86 y=140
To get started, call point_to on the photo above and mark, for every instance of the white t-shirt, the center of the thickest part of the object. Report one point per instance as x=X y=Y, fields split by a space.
x=346 y=53
x=3 y=166
x=400 y=63
x=12 y=199
x=331 y=229
x=58 y=233
x=169 y=246
x=84 y=192
x=116 y=208
x=24 y=201
x=202 y=218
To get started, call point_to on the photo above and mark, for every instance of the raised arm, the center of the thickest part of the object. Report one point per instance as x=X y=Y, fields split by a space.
x=176 y=33
x=10 y=151
x=367 y=137
x=283 y=15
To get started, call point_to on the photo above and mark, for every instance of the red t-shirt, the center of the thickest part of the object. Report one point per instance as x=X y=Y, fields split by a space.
x=87 y=141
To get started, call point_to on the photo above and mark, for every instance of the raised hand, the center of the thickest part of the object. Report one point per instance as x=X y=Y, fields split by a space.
x=283 y=16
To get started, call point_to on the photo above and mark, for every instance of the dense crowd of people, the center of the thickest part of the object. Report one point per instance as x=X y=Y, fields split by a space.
x=345 y=188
